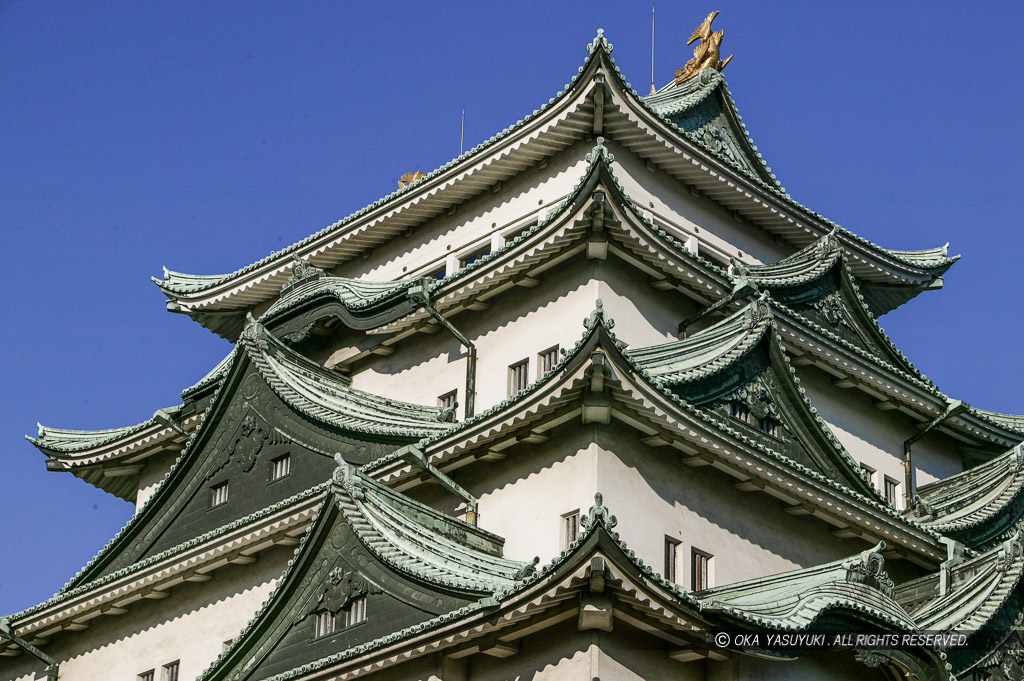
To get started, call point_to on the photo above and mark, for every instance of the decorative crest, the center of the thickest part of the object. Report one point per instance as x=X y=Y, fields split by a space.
x=528 y=569
x=707 y=54
x=407 y=179
x=598 y=317
x=869 y=568
x=302 y=270
x=757 y=311
x=254 y=332
x=598 y=514
x=1012 y=549
x=599 y=151
x=600 y=40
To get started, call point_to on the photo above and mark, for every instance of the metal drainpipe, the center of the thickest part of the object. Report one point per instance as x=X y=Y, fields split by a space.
x=421 y=294
x=52 y=668
x=910 y=484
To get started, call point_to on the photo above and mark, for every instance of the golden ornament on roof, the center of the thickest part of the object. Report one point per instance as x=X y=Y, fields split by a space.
x=409 y=178
x=707 y=54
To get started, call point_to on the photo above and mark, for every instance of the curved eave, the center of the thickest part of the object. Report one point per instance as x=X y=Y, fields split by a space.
x=329 y=398
x=563 y=121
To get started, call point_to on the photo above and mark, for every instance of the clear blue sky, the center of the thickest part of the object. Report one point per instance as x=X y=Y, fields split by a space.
x=203 y=136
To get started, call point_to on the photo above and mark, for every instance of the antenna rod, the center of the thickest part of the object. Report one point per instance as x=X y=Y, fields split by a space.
x=462 y=134
x=652 y=48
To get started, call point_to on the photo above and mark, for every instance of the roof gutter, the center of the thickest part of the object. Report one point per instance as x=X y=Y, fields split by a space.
x=953 y=408
x=414 y=456
x=420 y=294
x=52 y=668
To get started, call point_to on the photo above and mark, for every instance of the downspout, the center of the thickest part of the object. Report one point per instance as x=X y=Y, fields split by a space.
x=52 y=668
x=910 y=486
x=420 y=294
x=414 y=456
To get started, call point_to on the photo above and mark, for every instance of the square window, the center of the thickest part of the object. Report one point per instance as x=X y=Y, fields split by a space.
x=324 y=623
x=570 y=528
x=700 y=576
x=739 y=412
x=280 y=467
x=439 y=273
x=146 y=676
x=471 y=258
x=448 y=400
x=219 y=494
x=518 y=376
x=671 y=559
x=547 y=360
x=170 y=671
x=356 y=612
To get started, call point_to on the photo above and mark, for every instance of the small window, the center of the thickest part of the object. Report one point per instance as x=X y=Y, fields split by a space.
x=570 y=528
x=171 y=671
x=739 y=412
x=280 y=467
x=869 y=473
x=767 y=426
x=671 y=559
x=324 y=623
x=447 y=401
x=147 y=676
x=892 y=491
x=700 y=576
x=518 y=377
x=436 y=274
x=471 y=258
x=547 y=360
x=219 y=494
x=356 y=612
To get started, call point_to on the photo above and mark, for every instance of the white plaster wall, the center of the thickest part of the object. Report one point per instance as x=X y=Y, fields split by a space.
x=191 y=625
x=684 y=215
x=875 y=437
x=152 y=473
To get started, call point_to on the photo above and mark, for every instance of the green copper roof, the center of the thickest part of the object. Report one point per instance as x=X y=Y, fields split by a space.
x=61 y=441
x=706 y=352
x=802 y=267
x=795 y=600
x=329 y=397
x=976 y=497
x=214 y=376
x=352 y=293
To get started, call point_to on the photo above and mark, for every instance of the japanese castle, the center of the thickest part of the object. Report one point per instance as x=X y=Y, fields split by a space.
x=598 y=399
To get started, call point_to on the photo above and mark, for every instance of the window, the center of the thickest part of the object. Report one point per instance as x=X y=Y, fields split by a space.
x=356 y=612
x=869 y=473
x=518 y=377
x=436 y=274
x=471 y=258
x=739 y=412
x=324 y=623
x=714 y=257
x=547 y=360
x=147 y=676
x=280 y=467
x=570 y=527
x=171 y=671
x=448 y=400
x=671 y=559
x=892 y=491
x=219 y=494
x=700 y=576
x=766 y=426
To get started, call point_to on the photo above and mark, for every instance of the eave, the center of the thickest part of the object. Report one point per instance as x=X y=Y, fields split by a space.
x=597 y=101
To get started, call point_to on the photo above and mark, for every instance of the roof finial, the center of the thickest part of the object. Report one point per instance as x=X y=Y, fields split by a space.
x=407 y=179
x=707 y=54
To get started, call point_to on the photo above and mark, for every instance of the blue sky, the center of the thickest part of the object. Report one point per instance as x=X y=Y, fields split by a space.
x=203 y=136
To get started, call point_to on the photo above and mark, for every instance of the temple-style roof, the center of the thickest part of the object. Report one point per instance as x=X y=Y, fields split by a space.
x=597 y=101
x=330 y=398
x=979 y=506
x=802 y=267
x=707 y=352
x=795 y=600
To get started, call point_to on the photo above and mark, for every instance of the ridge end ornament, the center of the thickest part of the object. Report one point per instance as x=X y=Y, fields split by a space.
x=707 y=54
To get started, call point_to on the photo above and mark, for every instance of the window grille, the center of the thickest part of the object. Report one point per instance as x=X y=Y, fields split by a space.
x=518 y=377
x=547 y=360
x=280 y=467
x=767 y=426
x=892 y=491
x=671 y=559
x=447 y=401
x=570 y=528
x=147 y=676
x=171 y=671
x=739 y=412
x=356 y=612
x=471 y=258
x=324 y=623
x=219 y=494
x=700 y=576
